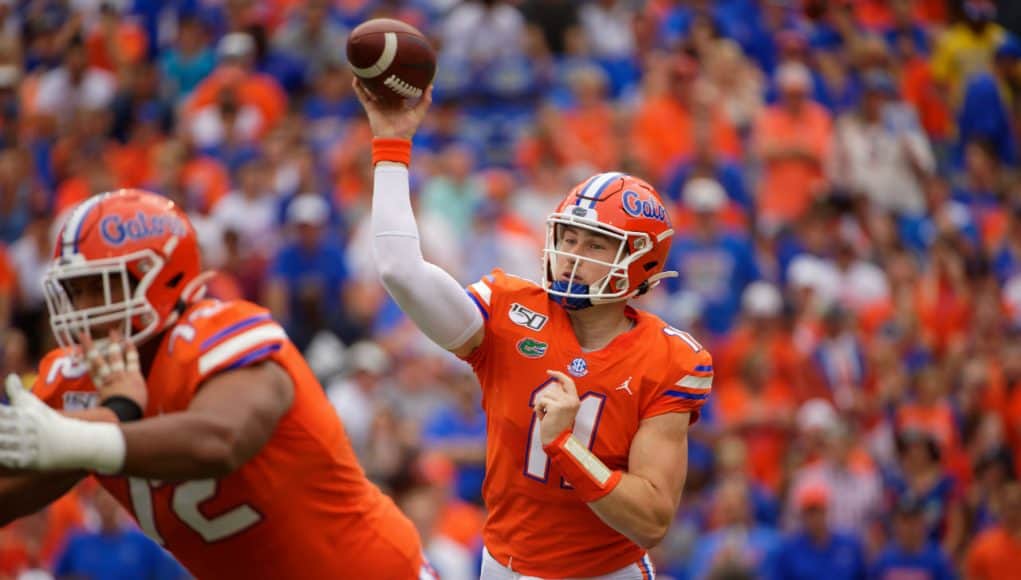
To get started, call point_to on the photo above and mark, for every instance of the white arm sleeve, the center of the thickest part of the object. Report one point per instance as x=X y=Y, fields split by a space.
x=427 y=294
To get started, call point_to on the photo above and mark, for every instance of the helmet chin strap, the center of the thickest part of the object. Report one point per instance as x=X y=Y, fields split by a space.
x=195 y=290
x=582 y=302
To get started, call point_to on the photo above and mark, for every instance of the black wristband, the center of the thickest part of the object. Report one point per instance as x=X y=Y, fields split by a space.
x=125 y=409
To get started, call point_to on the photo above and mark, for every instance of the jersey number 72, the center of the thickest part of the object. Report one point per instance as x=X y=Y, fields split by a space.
x=185 y=501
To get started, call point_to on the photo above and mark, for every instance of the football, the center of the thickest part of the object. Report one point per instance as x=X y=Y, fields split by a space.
x=392 y=59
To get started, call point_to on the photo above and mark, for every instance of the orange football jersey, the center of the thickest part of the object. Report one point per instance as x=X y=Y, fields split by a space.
x=301 y=508
x=536 y=526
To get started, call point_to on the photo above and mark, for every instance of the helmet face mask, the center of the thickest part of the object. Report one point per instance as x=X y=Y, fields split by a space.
x=126 y=260
x=611 y=287
x=124 y=301
x=628 y=212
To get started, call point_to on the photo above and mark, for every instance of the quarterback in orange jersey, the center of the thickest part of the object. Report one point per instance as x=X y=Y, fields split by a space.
x=588 y=400
x=199 y=416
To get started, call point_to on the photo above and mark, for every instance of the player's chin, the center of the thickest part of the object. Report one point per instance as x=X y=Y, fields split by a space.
x=100 y=333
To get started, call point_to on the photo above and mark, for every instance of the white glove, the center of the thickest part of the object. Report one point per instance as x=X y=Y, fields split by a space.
x=35 y=437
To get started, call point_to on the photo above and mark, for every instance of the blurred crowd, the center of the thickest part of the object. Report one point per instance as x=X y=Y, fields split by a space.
x=842 y=177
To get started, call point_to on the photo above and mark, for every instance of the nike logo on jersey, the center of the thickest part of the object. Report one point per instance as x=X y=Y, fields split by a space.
x=625 y=386
x=528 y=318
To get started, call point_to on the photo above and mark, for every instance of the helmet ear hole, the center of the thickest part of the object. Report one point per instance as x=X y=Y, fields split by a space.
x=649 y=266
x=173 y=282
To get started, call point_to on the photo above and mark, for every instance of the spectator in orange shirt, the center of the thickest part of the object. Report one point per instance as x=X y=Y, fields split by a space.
x=930 y=411
x=841 y=464
x=665 y=123
x=920 y=90
x=589 y=125
x=115 y=41
x=759 y=407
x=996 y=553
x=761 y=332
x=943 y=296
x=237 y=69
x=230 y=123
x=196 y=182
x=791 y=139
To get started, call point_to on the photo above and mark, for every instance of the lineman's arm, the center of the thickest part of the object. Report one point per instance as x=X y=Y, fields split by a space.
x=643 y=504
x=230 y=419
x=431 y=297
x=22 y=494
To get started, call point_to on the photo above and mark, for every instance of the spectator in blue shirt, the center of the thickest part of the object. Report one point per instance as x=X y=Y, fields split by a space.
x=306 y=288
x=712 y=263
x=705 y=162
x=816 y=551
x=985 y=113
x=738 y=543
x=911 y=554
x=458 y=430
x=188 y=61
x=117 y=551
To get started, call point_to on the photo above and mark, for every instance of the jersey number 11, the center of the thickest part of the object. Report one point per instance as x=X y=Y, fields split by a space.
x=585 y=425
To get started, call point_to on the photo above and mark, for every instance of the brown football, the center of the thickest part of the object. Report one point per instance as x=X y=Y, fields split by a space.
x=391 y=58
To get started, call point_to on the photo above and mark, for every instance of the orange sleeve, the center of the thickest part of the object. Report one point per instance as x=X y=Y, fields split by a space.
x=484 y=294
x=687 y=389
x=58 y=374
x=227 y=336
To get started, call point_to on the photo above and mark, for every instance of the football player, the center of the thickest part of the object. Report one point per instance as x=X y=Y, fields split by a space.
x=199 y=416
x=588 y=399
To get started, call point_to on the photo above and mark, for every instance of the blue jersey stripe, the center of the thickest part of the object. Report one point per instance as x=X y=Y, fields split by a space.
x=479 y=304
x=232 y=329
x=680 y=395
x=254 y=356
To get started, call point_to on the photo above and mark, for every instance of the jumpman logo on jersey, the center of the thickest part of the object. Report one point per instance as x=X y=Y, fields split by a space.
x=625 y=386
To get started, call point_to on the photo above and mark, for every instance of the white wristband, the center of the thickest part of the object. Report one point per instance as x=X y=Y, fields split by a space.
x=84 y=445
x=34 y=436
